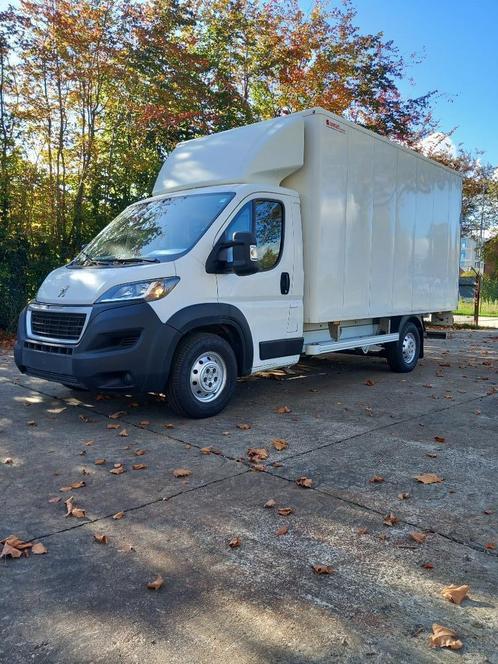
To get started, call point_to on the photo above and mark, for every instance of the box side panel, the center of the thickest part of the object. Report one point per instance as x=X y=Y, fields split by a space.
x=406 y=204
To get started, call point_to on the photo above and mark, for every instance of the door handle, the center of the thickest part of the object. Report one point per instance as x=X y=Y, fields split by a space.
x=284 y=283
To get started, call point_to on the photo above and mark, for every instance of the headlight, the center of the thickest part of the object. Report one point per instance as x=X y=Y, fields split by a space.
x=149 y=291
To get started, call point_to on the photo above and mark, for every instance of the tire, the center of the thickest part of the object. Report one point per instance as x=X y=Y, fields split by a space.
x=402 y=356
x=203 y=376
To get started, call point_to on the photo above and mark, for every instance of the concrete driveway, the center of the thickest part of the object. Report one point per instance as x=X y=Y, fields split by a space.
x=350 y=420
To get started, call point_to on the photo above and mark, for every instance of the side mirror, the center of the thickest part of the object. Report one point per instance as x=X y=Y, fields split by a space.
x=245 y=254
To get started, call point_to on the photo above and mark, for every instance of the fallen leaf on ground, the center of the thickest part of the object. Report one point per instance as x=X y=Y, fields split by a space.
x=139 y=466
x=72 y=510
x=322 y=569
x=282 y=409
x=418 y=537
x=234 y=543
x=431 y=455
x=369 y=382
x=119 y=515
x=32 y=423
x=279 y=444
x=144 y=423
x=8 y=461
x=259 y=467
x=490 y=546
x=427 y=566
x=39 y=549
x=156 y=584
x=257 y=453
x=285 y=511
x=270 y=503
x=282 y=531
x=427 y=385
x=304 y=482
x=113 y=426
x=89 y=443
x=99 y=462
x=444 y=637
x=169 y=426
x=439 y=439
x=139 y=452
x=391 y=519
x=118 y=469
x=455 y=594
x=182 y=472
x=205 y=450
x=403 y=495
x=376 y=479
x=101 y=539
x=362 y=531
x=117 y=415
x=244 y=427
x=428 y=478
x=11 y=551
x=55 y=499
x=488 y=511
x=123 y=432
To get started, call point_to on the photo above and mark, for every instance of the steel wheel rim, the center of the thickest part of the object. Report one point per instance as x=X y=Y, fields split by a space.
x=409 y=348
x=208 y=377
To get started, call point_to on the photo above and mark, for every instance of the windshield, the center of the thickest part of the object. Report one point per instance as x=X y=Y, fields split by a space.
x=155 y=230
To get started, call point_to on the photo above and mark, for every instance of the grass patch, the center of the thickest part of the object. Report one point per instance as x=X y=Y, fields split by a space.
x=487 y=308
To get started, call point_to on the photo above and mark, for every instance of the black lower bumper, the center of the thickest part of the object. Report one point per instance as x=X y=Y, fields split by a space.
x=124 y=347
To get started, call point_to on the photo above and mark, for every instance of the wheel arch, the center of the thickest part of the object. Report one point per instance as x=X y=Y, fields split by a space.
x=225 y=320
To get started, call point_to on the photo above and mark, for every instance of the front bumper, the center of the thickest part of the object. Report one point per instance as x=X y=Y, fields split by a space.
x=123 y=347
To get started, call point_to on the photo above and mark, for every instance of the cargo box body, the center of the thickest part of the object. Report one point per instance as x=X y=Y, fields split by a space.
x=380 y=225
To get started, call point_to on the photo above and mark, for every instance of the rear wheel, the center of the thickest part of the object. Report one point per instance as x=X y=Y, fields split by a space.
x=402 y=355
x=203 y=376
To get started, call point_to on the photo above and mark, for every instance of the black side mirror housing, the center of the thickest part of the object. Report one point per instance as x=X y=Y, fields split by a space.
x=245 y=257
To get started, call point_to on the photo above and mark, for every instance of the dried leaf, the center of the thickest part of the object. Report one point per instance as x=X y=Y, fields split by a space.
x=285 y=511
x=244 y=427
x=169 y=426
x=78 y=485
x=490 y=546
x=257 y=453
x=205 y=450
x=376 y=479
x=55 y=499
x=281 y=410
x=322 y=569
x=418 y=537
x=156 y=584
x=369 y=382
x=403 y=495
x=144 y=423
x=11 y=551
x=427 y=566
x=113 y=426
x=234 y=543
x=117 y=415
x=99 y=462
x=282 y=531
x=139 y=466
x=39 y=549
x=123 y=432
x=78 y=512
x=182 y=472
x=270 y=503
x=89 y=443
x=259 y=467
x=118 y=469
x=8 y=461
x=428 y=478
x=444 y=637
x=455 y=594
x=362 y=531
x=118 y=516
x=32 y=423
x=439 y=439
x=304 y=482
x=391 y=519
x=101 y=539
x=431 y=455
x=488 y=511
x=279 y=444
x=139 y=452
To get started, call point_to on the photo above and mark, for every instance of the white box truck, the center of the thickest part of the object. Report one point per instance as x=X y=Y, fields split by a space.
x=305 y=234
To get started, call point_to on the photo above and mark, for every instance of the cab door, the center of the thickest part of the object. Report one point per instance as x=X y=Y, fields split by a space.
x=270 y=299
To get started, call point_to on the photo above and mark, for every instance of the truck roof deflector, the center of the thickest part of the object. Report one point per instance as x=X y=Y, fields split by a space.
x=263 y=153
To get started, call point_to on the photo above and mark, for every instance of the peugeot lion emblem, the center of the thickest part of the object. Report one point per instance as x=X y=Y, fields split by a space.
x=63 y=291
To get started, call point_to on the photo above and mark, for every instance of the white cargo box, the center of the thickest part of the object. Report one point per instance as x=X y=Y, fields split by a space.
x=380 y=225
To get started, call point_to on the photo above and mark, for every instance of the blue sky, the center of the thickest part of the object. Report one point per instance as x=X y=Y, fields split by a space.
x=460 y=42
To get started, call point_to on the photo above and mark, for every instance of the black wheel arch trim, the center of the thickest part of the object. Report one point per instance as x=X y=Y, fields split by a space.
x=198 y=316
x=398 y=322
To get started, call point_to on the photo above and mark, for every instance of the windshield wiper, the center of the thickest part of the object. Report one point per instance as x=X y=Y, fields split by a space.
x=133 y=259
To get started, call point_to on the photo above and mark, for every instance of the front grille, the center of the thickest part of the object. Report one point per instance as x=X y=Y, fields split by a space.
x=57 y=324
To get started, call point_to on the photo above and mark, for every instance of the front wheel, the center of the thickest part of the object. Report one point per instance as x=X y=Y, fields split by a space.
x=402 y=355
x=203 y=376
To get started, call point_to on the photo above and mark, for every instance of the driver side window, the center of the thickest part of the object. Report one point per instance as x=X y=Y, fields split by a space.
x=265 y=219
